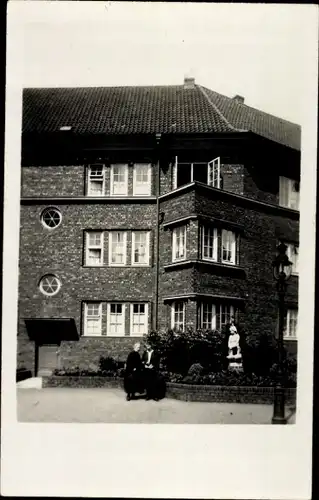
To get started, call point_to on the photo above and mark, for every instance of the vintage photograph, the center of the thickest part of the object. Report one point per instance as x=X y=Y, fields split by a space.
x=159 y=221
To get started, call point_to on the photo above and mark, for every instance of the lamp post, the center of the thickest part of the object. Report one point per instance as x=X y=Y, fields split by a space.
x=282 y=272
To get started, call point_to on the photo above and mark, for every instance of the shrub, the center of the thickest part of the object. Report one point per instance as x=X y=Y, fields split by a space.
x=227 y=378
x=107 y=364
x=178 y=351
x=195 y=369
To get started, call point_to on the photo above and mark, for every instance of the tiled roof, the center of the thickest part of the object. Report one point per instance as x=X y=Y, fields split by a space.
x=145 y=110
x=242 y=116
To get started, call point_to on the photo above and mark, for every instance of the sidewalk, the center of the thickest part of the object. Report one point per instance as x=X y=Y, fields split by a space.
x=67 y=405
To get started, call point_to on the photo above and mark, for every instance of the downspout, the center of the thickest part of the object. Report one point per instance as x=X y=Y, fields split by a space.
x=155 y=322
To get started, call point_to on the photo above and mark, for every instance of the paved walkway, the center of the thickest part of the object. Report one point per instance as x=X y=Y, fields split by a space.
x=70 y=405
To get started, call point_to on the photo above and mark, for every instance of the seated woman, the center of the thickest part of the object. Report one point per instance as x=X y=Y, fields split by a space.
x=133 y=377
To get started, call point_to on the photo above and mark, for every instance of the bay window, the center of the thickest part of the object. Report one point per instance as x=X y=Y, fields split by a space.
x=179 y=243
x=178 y=316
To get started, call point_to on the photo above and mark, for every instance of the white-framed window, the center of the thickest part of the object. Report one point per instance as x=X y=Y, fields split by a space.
x=288 y=193
x=174 y=173
x=292 y=253
x=119 y=180
x=117 y=248
x=49 y=284
x=116 y=319
x=140 y=248
x=139 y=319
x=209 y=241
x=142 y=174
x=224 y=313
x=208 y=316
x=96 y=180
x=178 y=316
x=179 y=243
x=94 y=248
x=291 y=324
x=215 y=316
x=93 y=318
x=214 y=178
x=51 y=217
x=228 y=247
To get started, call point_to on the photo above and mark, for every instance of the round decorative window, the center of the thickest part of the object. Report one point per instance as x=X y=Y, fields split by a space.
x=51 y=217
x=49 y=284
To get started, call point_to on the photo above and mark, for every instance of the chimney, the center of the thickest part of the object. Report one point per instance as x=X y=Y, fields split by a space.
x=239 y=98
x=189 y=82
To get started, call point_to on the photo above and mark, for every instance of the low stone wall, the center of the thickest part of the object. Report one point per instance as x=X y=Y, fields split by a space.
x=82 y=382
x=226 y=394
x=183 y=392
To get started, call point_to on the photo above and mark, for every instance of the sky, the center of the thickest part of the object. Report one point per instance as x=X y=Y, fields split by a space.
x=259 y=51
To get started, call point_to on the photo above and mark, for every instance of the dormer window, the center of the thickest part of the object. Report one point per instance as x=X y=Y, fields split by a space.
x=289 y=193
x=96 y=180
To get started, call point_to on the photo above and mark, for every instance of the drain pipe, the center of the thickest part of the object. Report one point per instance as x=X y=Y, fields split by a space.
x=155 y=320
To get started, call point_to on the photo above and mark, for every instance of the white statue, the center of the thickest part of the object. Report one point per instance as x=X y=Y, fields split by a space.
x=234 y=351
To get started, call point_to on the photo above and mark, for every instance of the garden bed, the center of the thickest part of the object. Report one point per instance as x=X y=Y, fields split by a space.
x=184 y=392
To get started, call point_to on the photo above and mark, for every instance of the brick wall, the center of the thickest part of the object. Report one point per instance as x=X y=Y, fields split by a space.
x=53 y=180
x=60 y=251
x=233 y=178
x=69 y=180
x=260 y=185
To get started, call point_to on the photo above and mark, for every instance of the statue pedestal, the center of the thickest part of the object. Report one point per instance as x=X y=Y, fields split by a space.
x=235 y=362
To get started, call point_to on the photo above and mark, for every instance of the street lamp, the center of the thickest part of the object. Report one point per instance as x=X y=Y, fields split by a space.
x=282 y=272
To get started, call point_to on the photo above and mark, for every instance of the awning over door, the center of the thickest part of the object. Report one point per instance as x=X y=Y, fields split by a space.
x=46 y=330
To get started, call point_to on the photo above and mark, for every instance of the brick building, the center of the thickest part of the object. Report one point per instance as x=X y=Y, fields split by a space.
x=149 y=208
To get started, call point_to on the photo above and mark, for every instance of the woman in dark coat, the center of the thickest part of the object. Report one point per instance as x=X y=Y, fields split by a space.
x=154 y=383
x=133 y=380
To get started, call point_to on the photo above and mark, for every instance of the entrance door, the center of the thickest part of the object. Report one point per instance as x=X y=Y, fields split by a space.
x=48 y=359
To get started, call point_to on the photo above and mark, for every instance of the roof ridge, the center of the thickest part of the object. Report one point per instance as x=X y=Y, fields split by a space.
x=219 y=112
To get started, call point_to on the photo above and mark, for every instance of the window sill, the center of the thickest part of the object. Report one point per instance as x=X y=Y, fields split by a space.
x=203 y=262
x=292 y=339
x=113 y=336
x=126 y=266
x=140 y=265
